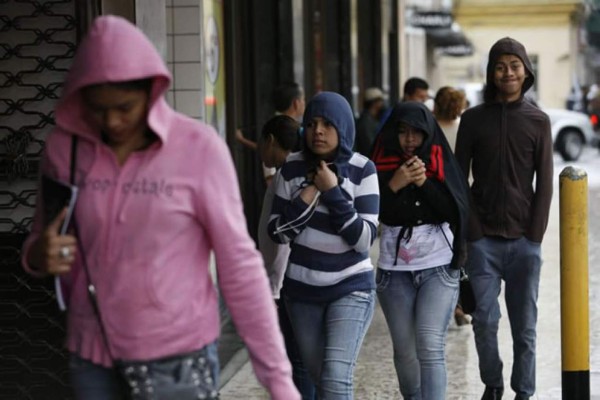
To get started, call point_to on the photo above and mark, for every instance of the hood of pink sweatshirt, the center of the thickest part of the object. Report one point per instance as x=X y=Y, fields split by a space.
x=114 y=51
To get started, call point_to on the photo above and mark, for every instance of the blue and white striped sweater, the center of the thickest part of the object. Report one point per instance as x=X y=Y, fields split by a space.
x=330 y=250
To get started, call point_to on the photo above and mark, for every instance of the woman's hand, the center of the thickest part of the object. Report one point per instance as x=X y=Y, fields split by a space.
x=412 y=171
x=53 y=253
x=419 y=173
x=308 y=194
x=325 y=178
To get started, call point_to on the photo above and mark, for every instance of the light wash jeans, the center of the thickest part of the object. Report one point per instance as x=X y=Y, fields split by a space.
x=94 y=382
x=418 y=306
x=518 y=263
x=329 y=336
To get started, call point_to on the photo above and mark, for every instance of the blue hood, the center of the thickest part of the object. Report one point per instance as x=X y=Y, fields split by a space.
x=335 y=109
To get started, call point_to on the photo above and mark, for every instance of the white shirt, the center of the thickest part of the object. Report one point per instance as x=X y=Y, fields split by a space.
x=450 y=129
x=428 y=247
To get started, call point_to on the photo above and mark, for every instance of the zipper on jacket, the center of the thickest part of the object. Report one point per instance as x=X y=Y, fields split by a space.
x=503 y=152
x=115 y=210
x=110 y=206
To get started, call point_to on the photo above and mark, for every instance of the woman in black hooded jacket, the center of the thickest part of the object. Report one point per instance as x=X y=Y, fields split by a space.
x=423 y=211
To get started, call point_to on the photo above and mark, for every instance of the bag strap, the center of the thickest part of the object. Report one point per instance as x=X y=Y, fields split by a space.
x=74 y=141
x=446 y=237
x=463 y=272
x=91 y=289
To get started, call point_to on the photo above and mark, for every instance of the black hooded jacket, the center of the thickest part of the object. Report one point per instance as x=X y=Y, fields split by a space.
x=442 y=198
x=505 y=145
x=506 y=46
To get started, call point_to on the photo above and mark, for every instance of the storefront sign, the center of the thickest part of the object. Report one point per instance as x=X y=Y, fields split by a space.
x=431 y=19
x=458 y=50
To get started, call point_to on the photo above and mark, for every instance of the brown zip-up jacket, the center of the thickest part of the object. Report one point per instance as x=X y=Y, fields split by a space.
x=506 y=145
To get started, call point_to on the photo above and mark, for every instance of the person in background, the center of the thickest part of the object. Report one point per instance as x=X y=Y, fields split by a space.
x=288 y=99
x=592 y=101
x=507 y=144
x=424 y=206
x=416 y=89
x=326 y=206
x=449 y=104
x=369 y=120
x=157 y=194
x=280 y=136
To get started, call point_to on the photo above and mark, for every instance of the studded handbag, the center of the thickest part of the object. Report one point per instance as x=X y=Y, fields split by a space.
x=186 y=376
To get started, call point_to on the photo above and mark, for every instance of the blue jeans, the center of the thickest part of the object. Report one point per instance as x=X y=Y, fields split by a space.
x=518 y=263
x=299 y=373
x=329 y=337
x=418 y=306
x=94 y=382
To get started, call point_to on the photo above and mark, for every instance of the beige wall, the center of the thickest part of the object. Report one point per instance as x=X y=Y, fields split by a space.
x=415 y=55
x=174 y=27
x=552 y=45
x=547 y=28
x=184 y=56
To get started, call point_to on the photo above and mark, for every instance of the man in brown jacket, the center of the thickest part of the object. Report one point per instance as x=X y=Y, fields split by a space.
x=505 y=143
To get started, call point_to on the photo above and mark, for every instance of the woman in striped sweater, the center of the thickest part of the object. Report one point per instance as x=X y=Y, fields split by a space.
x=326 y=206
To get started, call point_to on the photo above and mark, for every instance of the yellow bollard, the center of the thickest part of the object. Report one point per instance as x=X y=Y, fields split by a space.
x=574 y=304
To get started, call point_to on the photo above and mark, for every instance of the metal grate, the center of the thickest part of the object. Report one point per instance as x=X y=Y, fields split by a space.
x=37 y=43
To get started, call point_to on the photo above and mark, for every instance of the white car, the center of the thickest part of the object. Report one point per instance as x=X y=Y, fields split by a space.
x=571 y=132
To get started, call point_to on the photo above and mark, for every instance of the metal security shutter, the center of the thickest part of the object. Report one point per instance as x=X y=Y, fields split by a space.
x=37 y=43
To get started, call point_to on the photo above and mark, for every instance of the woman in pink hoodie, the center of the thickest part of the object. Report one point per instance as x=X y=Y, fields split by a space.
x=157 y=194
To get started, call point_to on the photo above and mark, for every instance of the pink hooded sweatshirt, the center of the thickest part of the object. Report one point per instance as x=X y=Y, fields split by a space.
x=148 y=226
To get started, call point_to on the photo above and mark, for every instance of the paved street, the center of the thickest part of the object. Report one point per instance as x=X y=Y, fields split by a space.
x=375 y=377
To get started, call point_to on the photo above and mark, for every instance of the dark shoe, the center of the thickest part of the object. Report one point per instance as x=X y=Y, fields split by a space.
x=492 y=393
x=521 y=397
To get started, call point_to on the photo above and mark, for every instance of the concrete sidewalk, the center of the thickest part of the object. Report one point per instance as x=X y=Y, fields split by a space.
x=375 y=377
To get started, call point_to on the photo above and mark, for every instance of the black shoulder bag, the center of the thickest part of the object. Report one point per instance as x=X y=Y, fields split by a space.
x=186 y=376
x=466 y=298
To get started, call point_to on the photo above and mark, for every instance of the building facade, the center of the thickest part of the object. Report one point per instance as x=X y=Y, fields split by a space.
x=551 y=30
x=226 y=57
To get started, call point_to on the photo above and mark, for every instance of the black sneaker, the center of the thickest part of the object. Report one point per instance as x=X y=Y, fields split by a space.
x=492 y=393
x=521 y=397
